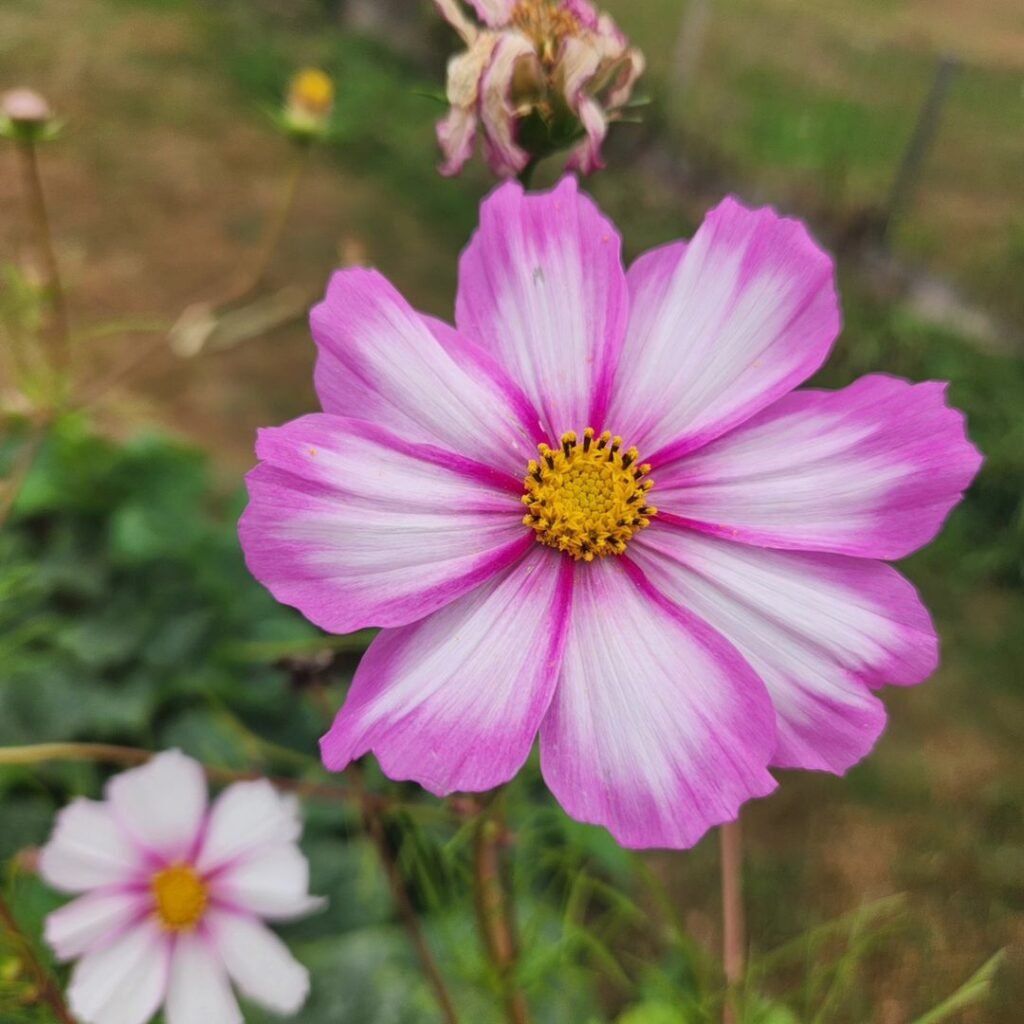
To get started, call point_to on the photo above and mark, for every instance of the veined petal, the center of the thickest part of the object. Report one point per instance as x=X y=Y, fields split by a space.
x=272 y=882
x=85 y=922
x=379 y=362
x=162 y=804
x=89 y=849
x=454 y=701
x=748 y=313
x=452 y=12
x=658 y=729
x=456 y=134
x=245 y=817
x=258 y=962
x=820 y=631
x=199 y=990
x=355 y=527
x=123 y=982
x=504 y=155
x=541 y=286
x=580 y=61
x=871 y=470
x=495 y=13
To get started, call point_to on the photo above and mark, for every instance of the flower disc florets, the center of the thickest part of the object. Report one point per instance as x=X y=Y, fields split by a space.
x=587 y=499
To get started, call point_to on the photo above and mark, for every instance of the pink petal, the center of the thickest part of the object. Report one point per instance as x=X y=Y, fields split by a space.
x=541 y=286
x=748 y=312
x=245 y=817
x=162 y=804
x=505 y=157
x=355 y=527
x=379 y=362
x=454 y=702
x=89 y=849
x=258 y=962
x=872 y=470
x=199 y=991
x=820 y=631
x=658 y=729
x=456 y=134
x=270 y=882
x=91 y=919
x=494 y=13
x=580 y=60
x=123 y=982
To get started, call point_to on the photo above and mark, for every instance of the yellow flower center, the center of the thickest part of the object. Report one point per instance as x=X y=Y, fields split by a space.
x=547 y=23
x=312 y=91
x=587 y=499
x=180 y=897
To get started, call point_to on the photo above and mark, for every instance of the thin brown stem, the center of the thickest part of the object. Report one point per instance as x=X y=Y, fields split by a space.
x=49 y=992
x=257 y=274
x=36 y=200
x=494 y=913
x=374 y=826
x=110 y=754
x=733 y=919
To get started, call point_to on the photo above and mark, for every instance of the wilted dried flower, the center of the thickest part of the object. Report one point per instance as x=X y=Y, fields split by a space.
x=540 y=77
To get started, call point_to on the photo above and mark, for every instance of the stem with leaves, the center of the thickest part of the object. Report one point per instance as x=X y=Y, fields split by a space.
x=494 y=912
x=733 y=918
x=49 y=992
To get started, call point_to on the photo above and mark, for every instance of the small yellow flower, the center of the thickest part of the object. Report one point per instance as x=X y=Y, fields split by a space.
x=311 y=92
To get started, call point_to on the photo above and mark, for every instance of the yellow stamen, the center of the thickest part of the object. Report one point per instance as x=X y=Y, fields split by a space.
x=180 y=897
x=587 y=499
x=547 y=23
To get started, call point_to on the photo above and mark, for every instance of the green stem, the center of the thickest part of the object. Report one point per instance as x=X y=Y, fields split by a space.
x=525 y=176
x=36 y=200
x=41 y=753
x=272 y=239
x=47 y=987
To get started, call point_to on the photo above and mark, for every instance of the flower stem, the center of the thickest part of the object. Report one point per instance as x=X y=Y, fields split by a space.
x=129 y=756
x=272 y=239
x=36 y=199
x=494 y=912
x=525 y=176
x=733 y=919
x=48 y=989
x=375 y=829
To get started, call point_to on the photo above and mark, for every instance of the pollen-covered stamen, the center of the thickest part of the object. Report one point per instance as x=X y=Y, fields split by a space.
x=547 y=23
x=587 y=499
x=180 y=896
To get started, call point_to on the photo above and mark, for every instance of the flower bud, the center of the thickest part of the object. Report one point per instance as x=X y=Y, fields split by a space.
x=26 y=116
x=308 y=108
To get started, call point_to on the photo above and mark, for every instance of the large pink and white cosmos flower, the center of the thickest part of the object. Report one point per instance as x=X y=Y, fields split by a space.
x=670 y=623
x=172 y=896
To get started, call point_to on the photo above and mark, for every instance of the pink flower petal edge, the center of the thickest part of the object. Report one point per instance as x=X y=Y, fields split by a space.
x=871 y=470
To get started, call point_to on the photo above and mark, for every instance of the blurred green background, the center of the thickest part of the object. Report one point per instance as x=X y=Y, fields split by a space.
x=126 y=614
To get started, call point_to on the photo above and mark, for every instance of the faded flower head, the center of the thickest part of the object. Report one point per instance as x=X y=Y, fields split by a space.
x=172 y=896
x=538 y=77
x=310 y=101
